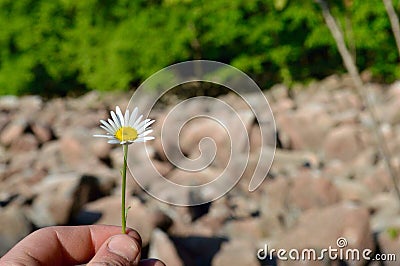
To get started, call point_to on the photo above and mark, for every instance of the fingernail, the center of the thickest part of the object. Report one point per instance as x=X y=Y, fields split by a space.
x=124 y=246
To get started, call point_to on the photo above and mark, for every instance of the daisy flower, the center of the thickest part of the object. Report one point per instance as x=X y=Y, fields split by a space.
x=127 y=128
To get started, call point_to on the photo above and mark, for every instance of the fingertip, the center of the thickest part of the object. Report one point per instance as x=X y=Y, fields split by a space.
x=122 y=249
x=151 y=262
x=134 y=234
x=125 y=247
x=159 y=263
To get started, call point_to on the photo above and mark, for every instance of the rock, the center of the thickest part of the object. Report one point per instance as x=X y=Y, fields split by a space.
x=255 y=138
x=76 y=153
x=9 y=103
x=187 y=178
x=327 y=180
x=89 y=101
x=289 y=162
x=344 y=143
x=278 y=92
x=26 y=142
x=14 y=227
x=60 y=197
x=162 y=248
x=13 y=131
x=352 y=190
x=345 y=100
x=236 y=252
x=139 y=216
x=214 y=220
x=249 y=228
x=304 y=129
x=4 y=120
x=321 y=228
x=275 y=216
x=282 y=106
x=137 y=153
x=18 y=185
x=100 y=148
x=385 y=211
x=49 y=158
x=30 y=104
x=72 y=147
x=378 y=180
x=307 y=192
x=42 y=131
x=197 y=130
x=332 y=82
x=89 y=119
x=23 y=160
x=389 y=244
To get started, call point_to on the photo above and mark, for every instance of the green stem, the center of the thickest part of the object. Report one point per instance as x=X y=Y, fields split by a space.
x=123 y=187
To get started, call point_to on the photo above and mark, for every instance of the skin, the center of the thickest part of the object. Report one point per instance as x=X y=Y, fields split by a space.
x=71 y=245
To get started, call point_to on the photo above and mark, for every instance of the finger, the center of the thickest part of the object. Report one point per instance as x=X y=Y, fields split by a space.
x=118 y=250
x=151 y=262
x=62 y=245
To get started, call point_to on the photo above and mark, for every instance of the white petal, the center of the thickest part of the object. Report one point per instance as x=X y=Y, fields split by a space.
x=113 y=125
x=115 y=119
x=143 y=139
x=107 y=129
x=145 y=133
x=126 y=120
x=133 y=116
x=143 y=128
x=113 y=141
x=107 y=125
x=103 y=136
x=141 y=124
x=137 y=121
x=120 y=116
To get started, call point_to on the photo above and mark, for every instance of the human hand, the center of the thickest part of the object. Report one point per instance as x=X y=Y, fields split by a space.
x=71 y=245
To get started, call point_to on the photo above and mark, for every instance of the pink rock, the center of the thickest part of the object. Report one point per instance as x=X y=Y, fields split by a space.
x=344 y=143
x=49 y=157
x=273 y=206
x=139 y=217
x=161 y=247
x=26 y=142
x=236 y=252
x=14 y=227
x=307 y=192
x=54 y=201
x=249 y=229
x=305 y=128
x=42 y=132
x=13 y=131
x=389 y=245
x=321 y=228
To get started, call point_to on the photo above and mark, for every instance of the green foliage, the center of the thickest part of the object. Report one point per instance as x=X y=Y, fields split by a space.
x=59 y=47
x=393 y=232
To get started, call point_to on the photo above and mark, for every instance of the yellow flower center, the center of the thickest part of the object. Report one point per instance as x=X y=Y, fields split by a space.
x=126 y=134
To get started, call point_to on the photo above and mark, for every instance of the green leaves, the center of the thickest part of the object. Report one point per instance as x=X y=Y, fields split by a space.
x=57 y=47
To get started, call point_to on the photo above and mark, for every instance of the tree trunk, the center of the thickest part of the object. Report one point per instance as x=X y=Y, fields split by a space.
x=353 y=71
x=394 y=21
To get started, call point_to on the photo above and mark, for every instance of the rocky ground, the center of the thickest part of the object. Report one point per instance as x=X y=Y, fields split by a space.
x=328 y=179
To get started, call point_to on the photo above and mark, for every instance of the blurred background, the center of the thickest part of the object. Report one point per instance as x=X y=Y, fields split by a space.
x=64 y=64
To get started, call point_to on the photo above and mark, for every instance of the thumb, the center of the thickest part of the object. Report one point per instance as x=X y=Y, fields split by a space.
x=119 y=250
